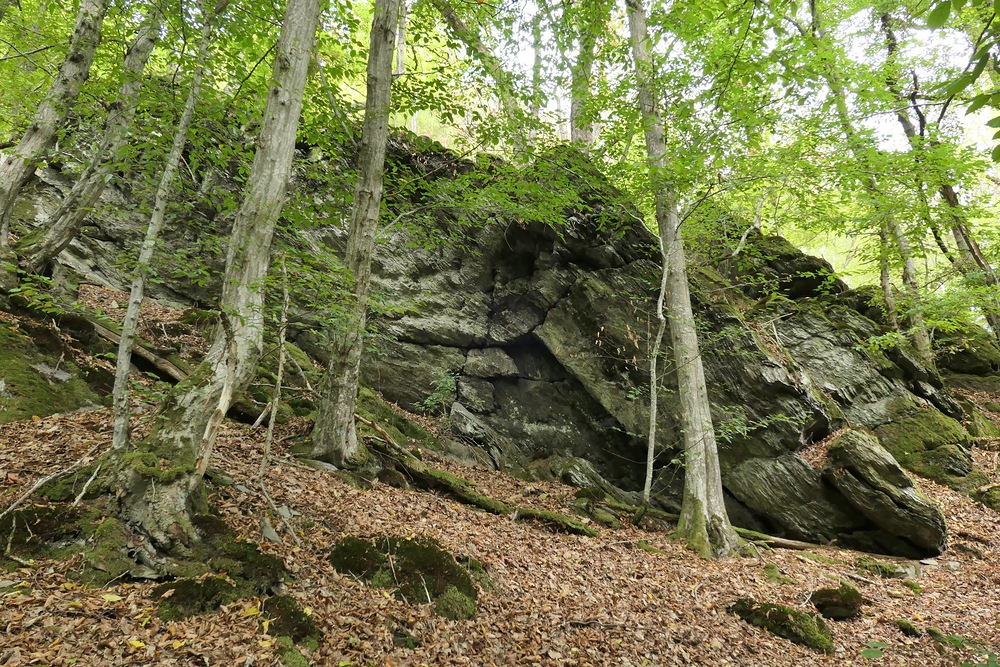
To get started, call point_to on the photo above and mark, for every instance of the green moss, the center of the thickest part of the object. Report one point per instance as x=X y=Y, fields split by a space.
x=820 y=558
x=796 y=626
x=775 y=575
x=107 y=558
x=255 y=571
x=989 y=496
x=945 y=640
x=356 y=557
x=287 y=619
x=403 y=638
x=908 y=628
x=647 y=547
x=913 y=586
x=26 y=391
x=590 y=493
x=873 y=566
x=193 y=596
x=839 y=603
x=558 y=521
x=41 y=531
x=929 y=443
x=403 y=431
x=419 y=571
x=455 y=604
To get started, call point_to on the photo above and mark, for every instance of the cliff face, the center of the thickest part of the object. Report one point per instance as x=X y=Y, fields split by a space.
x=533 y=341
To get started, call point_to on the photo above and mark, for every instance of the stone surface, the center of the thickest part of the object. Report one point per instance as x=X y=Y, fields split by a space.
x=873 y=482
x=535 y=338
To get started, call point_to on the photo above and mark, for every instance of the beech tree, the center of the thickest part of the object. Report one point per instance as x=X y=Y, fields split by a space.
x=334 y=437
x=161 y=478
x=703 y=522
x=36 y=249
x=16 y=168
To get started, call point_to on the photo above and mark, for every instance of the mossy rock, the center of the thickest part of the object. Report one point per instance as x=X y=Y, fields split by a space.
x=908 y=628
x=873 y=566
x=795 y=626
x=945 y=640
x=931 y=444
x=287 y=619
x=254 y=571
x=190 y=597
x=405 y=432
x=418 y=570
x=989 y=496
x=107 y=556
x=774 y=574
x=976 y=423
x=455 y=604
x=839 y=604
x=36 y=384
x=968 y=349
x=357 y=557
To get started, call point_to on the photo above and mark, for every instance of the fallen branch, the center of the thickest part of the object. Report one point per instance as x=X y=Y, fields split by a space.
x=45 y=480
x=461 y=489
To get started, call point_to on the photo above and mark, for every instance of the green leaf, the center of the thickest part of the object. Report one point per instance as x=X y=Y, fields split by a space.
x=872 y=653
x=939 y=15
x=978 y=102
x=995 y=155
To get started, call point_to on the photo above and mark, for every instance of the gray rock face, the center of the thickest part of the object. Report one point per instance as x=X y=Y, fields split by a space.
x=873 y=482
x=535 y=341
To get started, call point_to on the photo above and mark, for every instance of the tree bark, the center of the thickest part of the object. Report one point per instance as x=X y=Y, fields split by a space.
x=125 y=345
x=36 y=249
x=589 y=24
x=17 y=168
x=703 y=522
x=162 y=478
x=970 y=261
x=334 y=437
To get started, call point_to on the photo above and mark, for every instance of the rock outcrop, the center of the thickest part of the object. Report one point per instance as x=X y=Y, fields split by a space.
x=533 y=338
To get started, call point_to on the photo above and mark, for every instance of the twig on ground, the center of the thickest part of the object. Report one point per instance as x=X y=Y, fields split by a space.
x=45 y=480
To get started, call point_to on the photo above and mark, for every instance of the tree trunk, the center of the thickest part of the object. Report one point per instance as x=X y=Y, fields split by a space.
x=589 y=24
x=124 y=359
x=162 y=478
x=888 y=298
x=971 y=262
x=334 y=437
x=921 y=337
x=703 y=521
x=36 y=249
x=17 y=168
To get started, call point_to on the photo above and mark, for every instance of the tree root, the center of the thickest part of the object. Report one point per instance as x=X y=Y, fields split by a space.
x=461 y=489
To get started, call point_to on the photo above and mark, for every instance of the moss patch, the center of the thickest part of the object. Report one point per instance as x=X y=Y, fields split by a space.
x=819 y=558
x=418 y=570
x=188 y=597
x=873 y=566
x=287 y=619
x=774 y=574
x=931 y=444
x=37 y=384
x=796 y=626
x=907 y=627
x=838 y=604
x=988 y=496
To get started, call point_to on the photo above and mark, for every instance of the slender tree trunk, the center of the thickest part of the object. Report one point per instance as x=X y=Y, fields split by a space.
x=888 y=298
x=334 y=437
x=17 y=168
x=536 y=65
x=162 y=479
x=589 y=25
x=124 y=358
x=654 y=380
x=971 y=262
x=36 y=249
x=921 y=337
x=703 y=521
x=505 y=90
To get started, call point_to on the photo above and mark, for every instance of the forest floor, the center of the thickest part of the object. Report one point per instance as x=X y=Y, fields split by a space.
x=554 y=599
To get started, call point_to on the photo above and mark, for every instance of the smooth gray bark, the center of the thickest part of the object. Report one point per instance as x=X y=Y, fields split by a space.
x=36 y=249
x=17 y=168
x=162 y=478
x=703 y=522
x=120 y=396
x=334 y=436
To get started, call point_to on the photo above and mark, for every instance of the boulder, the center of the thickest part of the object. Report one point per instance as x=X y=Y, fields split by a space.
x=872 y=481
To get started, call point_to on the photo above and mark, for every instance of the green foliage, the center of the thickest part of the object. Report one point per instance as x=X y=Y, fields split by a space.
x=443 y=395
x=874 y=651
